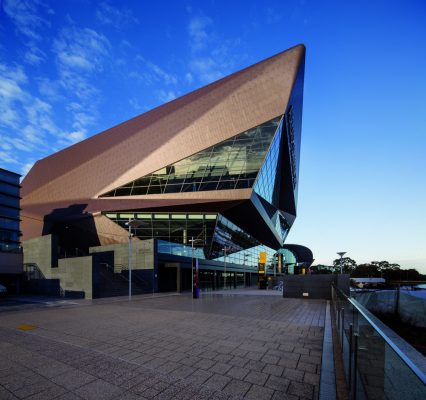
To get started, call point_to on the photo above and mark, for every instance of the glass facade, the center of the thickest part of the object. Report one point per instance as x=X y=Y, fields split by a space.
x=212 y=233
x=266 y=180
x=9 y=211
x=232 y=164
x=264 y=158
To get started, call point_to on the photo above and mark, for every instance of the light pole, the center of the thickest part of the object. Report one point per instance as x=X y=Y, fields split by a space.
x=193 y=241
x=225 y=249
x=341 y=254
x=245 y=260
x=133 y=223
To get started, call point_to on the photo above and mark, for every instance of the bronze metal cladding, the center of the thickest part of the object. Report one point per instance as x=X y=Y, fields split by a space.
x=81 y=173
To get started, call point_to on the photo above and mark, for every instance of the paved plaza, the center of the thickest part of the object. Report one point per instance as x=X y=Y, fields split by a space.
x=221 y=346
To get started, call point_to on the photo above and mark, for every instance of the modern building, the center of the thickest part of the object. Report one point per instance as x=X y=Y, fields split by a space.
x=212 y=175
x=295 y=259
x=10 y=248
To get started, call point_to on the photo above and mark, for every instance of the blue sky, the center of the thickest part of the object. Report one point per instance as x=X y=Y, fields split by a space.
x=70 y=69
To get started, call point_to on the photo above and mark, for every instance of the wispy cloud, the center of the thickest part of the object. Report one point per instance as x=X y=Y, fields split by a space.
x=80 y=49
x=152 y=73
x=212 y=56
x=198 y=34
x=80 y=54
x=26 y=16
x=272 y=16
x=11 y=93
x=22 y=112
x=107 y=14
x=166 y=96
x=30 y=20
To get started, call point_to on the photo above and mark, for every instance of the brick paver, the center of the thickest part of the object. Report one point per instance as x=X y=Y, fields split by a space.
x=217 y=347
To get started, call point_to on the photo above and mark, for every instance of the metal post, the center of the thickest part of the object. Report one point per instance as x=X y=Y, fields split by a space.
x=351 y=332
x=338 y=319
x=355 y=364
x=130 y=262
x=343 y=324
x=245 y=260
x=224 y=277
x=192 y=266
x=341 y=254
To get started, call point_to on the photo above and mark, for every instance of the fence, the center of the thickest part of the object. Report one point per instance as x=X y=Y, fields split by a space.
x=377 y=363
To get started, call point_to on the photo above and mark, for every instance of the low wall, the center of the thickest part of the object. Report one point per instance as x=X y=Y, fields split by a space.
x=42 y=287
x=314 y=286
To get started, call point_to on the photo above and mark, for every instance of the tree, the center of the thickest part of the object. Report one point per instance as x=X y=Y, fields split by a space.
x=321 y=269
x=367 y=270
x=348 y=265
x=384 y=267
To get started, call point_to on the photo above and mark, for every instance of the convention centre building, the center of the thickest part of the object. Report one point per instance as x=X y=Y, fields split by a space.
x=211 y=176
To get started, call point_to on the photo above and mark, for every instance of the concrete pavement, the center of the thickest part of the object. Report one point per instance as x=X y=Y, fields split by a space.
x=222 y=346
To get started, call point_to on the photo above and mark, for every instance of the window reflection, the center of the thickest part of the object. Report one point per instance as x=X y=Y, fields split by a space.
x=232 y=164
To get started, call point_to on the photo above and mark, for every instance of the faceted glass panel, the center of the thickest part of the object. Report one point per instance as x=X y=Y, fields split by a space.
x=213 y=233
x=265 y=183
x=232 y=164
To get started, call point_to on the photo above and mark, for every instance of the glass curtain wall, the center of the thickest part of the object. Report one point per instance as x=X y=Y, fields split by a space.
x=232 y=164
x=213 y=233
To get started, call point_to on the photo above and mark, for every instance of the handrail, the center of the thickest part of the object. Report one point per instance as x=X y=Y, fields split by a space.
x=367 y=315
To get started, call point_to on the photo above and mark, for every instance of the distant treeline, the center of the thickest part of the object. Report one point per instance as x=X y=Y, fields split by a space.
x=374 y=269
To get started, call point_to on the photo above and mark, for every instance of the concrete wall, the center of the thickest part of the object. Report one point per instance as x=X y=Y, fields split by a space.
x=11 y=263
x=313 y=286
x=142 y=254
x=74 y=274
x=39 y=251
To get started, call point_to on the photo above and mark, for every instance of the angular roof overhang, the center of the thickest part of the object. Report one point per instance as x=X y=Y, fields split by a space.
x=167 y=133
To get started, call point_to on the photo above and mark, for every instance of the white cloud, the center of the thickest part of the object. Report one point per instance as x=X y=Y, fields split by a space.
x=106 y=14
x=8 y=158
x=76 y=136
x=26 y=167
x=80 y=54
x=197 y=30
x=272 y=16
x=26 y=16
x=26 y=121
x=30 y=20
x=50 y=89
x=5 y=146
x=166 y=96
x=81 y=49
x=153 y=73
x=188 y=77
x=206 y=68
x=212 y=57
x=134 y=102
x=34 y=56
x=11 y=95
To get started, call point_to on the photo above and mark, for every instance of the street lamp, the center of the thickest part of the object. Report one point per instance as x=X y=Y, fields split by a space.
x=244 y=263
x=225 y=249
x=341 y=254
x=193 y=241
x=133 y=223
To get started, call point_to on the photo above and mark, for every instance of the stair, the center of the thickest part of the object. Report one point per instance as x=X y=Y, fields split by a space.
x=110 y=284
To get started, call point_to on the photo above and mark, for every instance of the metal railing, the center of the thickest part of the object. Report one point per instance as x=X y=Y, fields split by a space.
x=376 y=366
